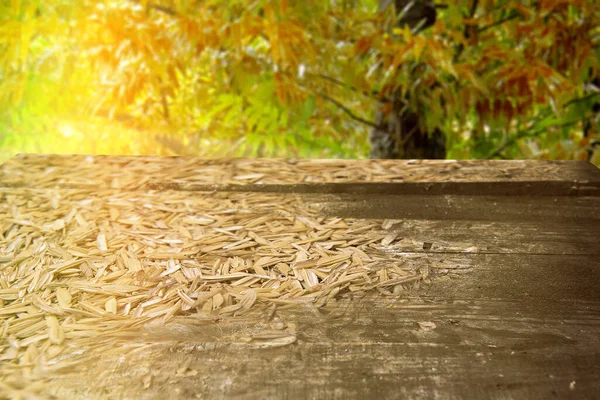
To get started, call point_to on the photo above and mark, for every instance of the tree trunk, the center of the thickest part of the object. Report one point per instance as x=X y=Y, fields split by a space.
x=400 y=134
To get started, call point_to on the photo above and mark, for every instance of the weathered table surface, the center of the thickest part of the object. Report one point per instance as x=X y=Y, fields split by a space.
x=520 y=320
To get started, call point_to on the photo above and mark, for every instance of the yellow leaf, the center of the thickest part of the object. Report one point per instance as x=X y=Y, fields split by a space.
x=406 y=32
x=24 y=45
x=180 y=5
x=398 y=59
x=16 y=6
x=17 y=94
x=418 y=48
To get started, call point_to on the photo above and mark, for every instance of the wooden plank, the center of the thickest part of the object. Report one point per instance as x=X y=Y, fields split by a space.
x=534 y=278
x=492 y=188
x=516 y=313
x=183 y=172
x=511 y=327
x=424 y=369
x=427 y=223
x=543 y=209
x=477 y=355
x=495 y=237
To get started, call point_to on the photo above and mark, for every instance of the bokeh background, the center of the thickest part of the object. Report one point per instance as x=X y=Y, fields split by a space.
x=499 y=79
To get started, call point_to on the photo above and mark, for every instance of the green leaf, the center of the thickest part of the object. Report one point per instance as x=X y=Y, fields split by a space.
x=308 y=108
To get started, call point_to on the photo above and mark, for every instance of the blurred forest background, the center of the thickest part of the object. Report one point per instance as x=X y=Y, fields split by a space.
x=264 y=78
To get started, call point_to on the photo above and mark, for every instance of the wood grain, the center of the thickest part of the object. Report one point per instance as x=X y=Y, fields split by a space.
x=516 y=314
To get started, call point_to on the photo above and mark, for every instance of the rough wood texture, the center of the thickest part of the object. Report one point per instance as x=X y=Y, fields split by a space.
x=518 y=317
x=28 y=169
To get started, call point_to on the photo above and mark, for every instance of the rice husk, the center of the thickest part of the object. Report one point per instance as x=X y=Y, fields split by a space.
x=81 y=262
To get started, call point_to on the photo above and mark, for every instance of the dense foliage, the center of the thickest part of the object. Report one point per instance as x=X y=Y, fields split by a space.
x=500 y=78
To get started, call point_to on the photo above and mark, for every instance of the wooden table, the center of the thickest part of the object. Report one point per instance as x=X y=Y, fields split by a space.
x=520 y=318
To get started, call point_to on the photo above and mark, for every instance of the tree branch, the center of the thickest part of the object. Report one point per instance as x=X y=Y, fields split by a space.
x=472 y=11
x=347 y=110
x=467 y=31
x=512 y=16
x=373 y=94
x=498 y=150
x=584 y=98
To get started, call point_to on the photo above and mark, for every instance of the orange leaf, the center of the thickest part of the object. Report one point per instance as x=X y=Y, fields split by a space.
x=362 y=45
x=386 y=108
x=283 y=6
